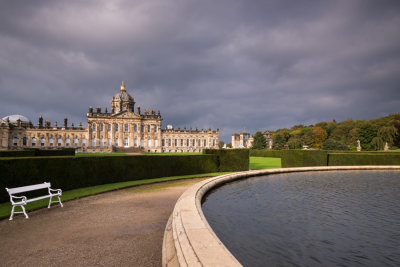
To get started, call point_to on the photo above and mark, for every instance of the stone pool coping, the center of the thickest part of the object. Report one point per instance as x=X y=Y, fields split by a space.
x=189 y=239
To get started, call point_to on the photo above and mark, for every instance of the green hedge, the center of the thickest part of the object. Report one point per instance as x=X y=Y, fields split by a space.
x=75 y=172
x=31 y=152
x=303 y=158
x=359 y=158
x=231 y=159
x=265 y=153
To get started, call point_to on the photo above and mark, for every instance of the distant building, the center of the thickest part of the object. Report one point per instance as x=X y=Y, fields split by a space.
x=122 y=129
x=245 y=140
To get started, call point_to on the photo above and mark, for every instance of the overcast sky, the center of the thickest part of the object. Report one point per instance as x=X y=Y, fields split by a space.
x=232 y=65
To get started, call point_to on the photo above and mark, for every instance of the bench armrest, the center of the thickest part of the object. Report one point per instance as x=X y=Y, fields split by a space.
x=23 y=199
x=58 y=191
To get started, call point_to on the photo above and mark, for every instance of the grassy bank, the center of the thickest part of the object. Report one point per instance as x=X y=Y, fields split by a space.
x=5 y=208
x=259 y=163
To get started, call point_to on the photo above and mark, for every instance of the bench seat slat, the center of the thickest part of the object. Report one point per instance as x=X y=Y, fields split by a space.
x=39 y=198
x=28 y=188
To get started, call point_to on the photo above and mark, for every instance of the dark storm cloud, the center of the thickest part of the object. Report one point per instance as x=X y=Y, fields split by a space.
x=233 y=65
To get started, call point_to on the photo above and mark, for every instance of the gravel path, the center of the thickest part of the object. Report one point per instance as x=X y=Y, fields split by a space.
x=120 y=228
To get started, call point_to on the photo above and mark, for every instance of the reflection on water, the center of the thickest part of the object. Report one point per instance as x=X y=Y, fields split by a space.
x=343 y=218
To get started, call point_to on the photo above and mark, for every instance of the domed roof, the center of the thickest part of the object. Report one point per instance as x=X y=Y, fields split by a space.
x=14 y=118
x=122 y=94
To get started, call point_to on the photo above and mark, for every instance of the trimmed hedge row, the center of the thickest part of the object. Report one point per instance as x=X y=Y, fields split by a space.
x=265 y=153
x=303 y=158
x=350 y=159
x=307 y=158
x=231 y=159
x=38 y=152
x=74 y=172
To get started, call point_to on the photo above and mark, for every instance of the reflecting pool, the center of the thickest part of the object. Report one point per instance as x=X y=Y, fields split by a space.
x=327 y=218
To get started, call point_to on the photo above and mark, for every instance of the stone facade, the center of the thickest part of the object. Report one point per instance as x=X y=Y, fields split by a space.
x=245 y=140
x=122 y=130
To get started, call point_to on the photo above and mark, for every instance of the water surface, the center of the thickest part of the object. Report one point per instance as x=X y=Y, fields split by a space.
x=341 y=218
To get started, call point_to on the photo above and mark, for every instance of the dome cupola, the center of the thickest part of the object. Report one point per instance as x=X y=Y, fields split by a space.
x=122 y=101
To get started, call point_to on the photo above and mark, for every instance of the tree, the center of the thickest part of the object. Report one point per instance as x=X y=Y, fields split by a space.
x=318 y=136
x=331 y=144
x=259 y=141
x=221 y=144
x=366 y=132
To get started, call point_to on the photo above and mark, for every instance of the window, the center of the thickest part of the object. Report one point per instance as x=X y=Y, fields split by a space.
x=59 y=142
x=205 y=142
x=51 y=142
x=75 y=141
x=148 y=128
x=101 y=127
x=181 y=142
x=187 y=142
x=108 y=127
x=169 y=142
x=116 y=127
x=24 y=141
x=126 y=128
x=42 y=142
x=135 y=142
x=149 y=143
x=94 y=142
x=156 y=143
x=15 y=141
x=135 y=127
x=199 y=142
x=84 y=142
x=67 y=142
x=108 y=142
x=126 y=142
x=176 y=142
x=194 y=142
x=101 y=143
x=163 y=142
x=155 y=128
x=33 y=143
x=142 y=142
x=213 y=142
x=116 y=141
x=94 y=127
x=142 y=128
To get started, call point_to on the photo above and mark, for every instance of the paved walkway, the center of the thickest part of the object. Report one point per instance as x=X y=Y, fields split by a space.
x=120 y=228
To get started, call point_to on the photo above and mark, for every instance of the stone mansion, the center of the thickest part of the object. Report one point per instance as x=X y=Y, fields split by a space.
x=121 y=130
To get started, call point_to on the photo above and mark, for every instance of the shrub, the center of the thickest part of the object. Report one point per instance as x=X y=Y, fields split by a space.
x=17 y=153
x=303 y=158
x=351 y=159
x=331 y=144
x=265 y=153
x=231 y=159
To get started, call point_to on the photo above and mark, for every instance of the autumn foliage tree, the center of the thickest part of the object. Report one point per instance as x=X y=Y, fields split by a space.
x=319 y=135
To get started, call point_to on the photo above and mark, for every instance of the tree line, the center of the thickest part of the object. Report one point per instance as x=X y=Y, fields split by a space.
x=373 y=135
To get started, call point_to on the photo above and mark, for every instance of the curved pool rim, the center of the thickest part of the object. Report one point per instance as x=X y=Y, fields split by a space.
x=188 y=238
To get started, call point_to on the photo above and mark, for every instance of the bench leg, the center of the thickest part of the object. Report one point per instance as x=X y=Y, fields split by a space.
x=59 y=201
x=23 y=209
x=49 y=203
x=12 y=213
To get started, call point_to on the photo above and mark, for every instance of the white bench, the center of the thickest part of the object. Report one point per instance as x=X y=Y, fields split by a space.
x=21 y=201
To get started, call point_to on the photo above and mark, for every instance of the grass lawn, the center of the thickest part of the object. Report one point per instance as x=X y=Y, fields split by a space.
x=259 y=163
x=99 y=154
x=5 y=208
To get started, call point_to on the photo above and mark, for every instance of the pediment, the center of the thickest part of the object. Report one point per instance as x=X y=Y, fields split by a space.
x=126 y=115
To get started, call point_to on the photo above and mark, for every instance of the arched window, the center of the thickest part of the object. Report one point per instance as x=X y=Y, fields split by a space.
x=135 y=142
x=142 y=128
x=205 y=142
x=116 y=127
x=94 y=142
x=42 y=142
x=108 y=127
x=135 y=127
x=94 y=127
x=101 y=142
x=67 y=142
x=181 y=142
x=24 y=141
x=148 y=128
x=15 y=141
x=51 y=142
x=199 y=142
x=75 y=141
x=142 y=142
x=101 y=127
x=155 y=128
x=84 y=142
x=163 y=142
x=33 y=141
x=187 y=142
x=169 y=142
x=108 y=142
x=59 y=142
x=126 y=129
x=116 y=141
x=194 y=142
x=126 y=142
x=176 y=142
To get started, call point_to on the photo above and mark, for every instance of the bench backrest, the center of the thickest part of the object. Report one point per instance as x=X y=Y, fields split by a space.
x=28 y=188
